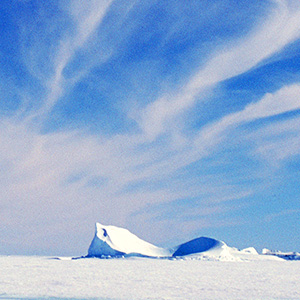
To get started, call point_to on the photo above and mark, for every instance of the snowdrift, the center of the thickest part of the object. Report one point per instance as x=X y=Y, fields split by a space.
x=112 y=241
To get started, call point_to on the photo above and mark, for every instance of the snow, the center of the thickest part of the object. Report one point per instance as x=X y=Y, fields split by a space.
x=198 y=245
x=111 y=241
x=225 y=253
x=115 y=241
x=283 y=255
x=145 y=278
x=266 y=251
x=250 y=250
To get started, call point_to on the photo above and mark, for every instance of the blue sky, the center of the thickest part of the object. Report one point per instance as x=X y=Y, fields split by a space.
x=174 y=119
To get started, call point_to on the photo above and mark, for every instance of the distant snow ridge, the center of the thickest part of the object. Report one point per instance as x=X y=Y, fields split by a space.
x=283 y=255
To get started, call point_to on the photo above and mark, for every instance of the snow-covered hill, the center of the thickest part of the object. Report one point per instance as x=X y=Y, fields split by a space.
x=112 y=241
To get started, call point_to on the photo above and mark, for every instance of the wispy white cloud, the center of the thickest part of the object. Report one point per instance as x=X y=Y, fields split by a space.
x=270 y=37
x=282 y=101
x=277 y=143
x=209 y=137
x=283 y=213
x=86 y=17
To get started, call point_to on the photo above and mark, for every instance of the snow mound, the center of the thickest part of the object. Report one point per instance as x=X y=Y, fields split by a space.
x=266 y=251
x=216 y=251
x=114 y=241
x=198 y=245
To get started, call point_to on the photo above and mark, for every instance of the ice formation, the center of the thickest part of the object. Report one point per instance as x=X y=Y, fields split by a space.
x=112 y=241
x=115 y=241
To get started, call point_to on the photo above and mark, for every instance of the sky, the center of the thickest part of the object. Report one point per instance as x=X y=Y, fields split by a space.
x=174 y=119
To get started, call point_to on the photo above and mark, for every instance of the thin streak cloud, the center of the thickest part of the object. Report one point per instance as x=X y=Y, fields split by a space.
x=87 y=19
x=280 y=29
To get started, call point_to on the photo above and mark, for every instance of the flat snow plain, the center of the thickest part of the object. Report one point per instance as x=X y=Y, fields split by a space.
x=23 y=277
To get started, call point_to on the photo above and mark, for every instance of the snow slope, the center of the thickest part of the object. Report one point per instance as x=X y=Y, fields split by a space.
x=115 y=241
x=201 y=244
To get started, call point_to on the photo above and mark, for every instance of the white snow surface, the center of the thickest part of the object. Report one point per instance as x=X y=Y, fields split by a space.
x=144 y=278
x=113 y=241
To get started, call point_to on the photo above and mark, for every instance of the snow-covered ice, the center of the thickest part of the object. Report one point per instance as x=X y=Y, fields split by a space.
x=111 y=241
x=116 y=241
x=146 y=278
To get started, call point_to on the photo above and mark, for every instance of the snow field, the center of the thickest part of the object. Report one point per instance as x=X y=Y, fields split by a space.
x=142 y=278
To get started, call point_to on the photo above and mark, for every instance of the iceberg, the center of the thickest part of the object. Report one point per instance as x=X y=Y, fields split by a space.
x=113 y=242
